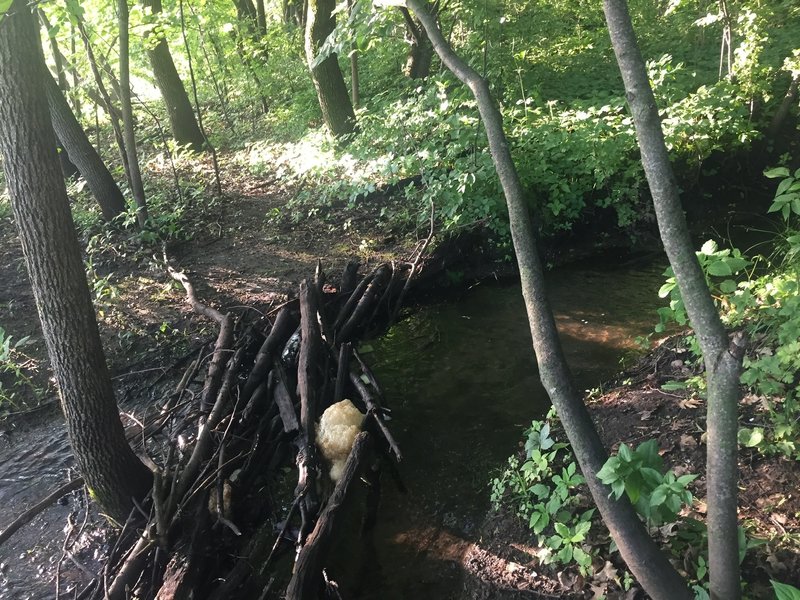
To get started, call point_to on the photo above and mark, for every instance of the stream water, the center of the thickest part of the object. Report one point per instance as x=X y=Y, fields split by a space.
x=462 y=380
x=463 y=383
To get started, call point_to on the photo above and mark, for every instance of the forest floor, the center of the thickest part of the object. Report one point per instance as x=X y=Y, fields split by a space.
x=503 y=564
x=240 y=259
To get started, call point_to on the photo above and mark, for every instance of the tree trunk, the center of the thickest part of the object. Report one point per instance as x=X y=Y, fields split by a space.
x=723 y=359
x=80 y=149
x=649 y=565
x=41 y=211
x=420 y=54
x=182 y=120
x=261 y=17
x=68 y=168
x=127 y=114
x=334 y=101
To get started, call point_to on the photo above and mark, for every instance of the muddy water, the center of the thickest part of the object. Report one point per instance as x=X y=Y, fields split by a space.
x=462 y=380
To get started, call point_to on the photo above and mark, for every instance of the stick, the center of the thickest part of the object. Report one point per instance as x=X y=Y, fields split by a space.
x=374 y=410
x=414 y=266
x=27 y=516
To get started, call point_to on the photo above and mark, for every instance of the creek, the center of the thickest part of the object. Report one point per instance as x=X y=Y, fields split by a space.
x=461 y=379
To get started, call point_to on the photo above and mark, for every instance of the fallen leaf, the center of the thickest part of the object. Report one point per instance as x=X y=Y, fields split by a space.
x=607 y=573
x=646 y=415
x=598 y=590
x=687 y=442
x=690 y=403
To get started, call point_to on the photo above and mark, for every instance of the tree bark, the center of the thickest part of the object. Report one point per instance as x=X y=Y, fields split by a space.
x=82 y=153
x=112 y=471
x=420 y=54
x=649 y=565
x=334 y=101
x=182 y=119
x=127 y=114
x=723 y=359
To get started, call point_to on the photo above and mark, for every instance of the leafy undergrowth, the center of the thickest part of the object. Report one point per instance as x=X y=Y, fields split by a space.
x=512 y=557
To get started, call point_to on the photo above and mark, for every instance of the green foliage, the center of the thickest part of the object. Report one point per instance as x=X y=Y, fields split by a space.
x=787 y=196
x=541 y=489
x=784 y=591
x=767 y=308
x=14 y=366
x=657 y=495
x=719 y=266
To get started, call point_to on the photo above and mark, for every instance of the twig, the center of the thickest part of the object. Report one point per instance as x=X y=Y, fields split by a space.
x=34 y=510
x=414 y=267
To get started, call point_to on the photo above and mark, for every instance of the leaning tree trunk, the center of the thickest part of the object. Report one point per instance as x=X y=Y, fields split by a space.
x=112 y=471
x=82 y=153
x=649 y=565
x=179 y=109
x=334 y=101
x=723 y=358
x=127 y=114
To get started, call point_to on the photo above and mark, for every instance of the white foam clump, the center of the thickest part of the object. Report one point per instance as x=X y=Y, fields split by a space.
x=336 y=432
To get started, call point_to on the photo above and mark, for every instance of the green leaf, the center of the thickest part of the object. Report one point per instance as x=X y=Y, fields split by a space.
x=659 y=496
x=728 y=286
x=719 y=268
x=625 y=453
x=540 y=490
x=784 y=591
x=784 y=185
x=750 y=438
x=777 y=172
x=4 y=6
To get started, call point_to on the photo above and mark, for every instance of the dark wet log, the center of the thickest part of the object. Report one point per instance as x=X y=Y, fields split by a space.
x=310 y=352
x=375 y=412
x=258 y=401
x=353 y=299
x=308 y=385
x=373 y=381
x=365 y=302
x=350 y=276
x=307 y=577
x=282 y=329
x=43 y=504
x=175 y=584
x=343 y=371
x=285 y=404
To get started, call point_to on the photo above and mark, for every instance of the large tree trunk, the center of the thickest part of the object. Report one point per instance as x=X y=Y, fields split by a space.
x=181 y=115
x=82 y=153
x=334 y=101
x=723 y=358
x=649 y=565
x=127 y=114
x=41 y=211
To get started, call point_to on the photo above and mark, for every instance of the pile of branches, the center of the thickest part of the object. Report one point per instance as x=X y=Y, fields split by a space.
x=216 y=525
